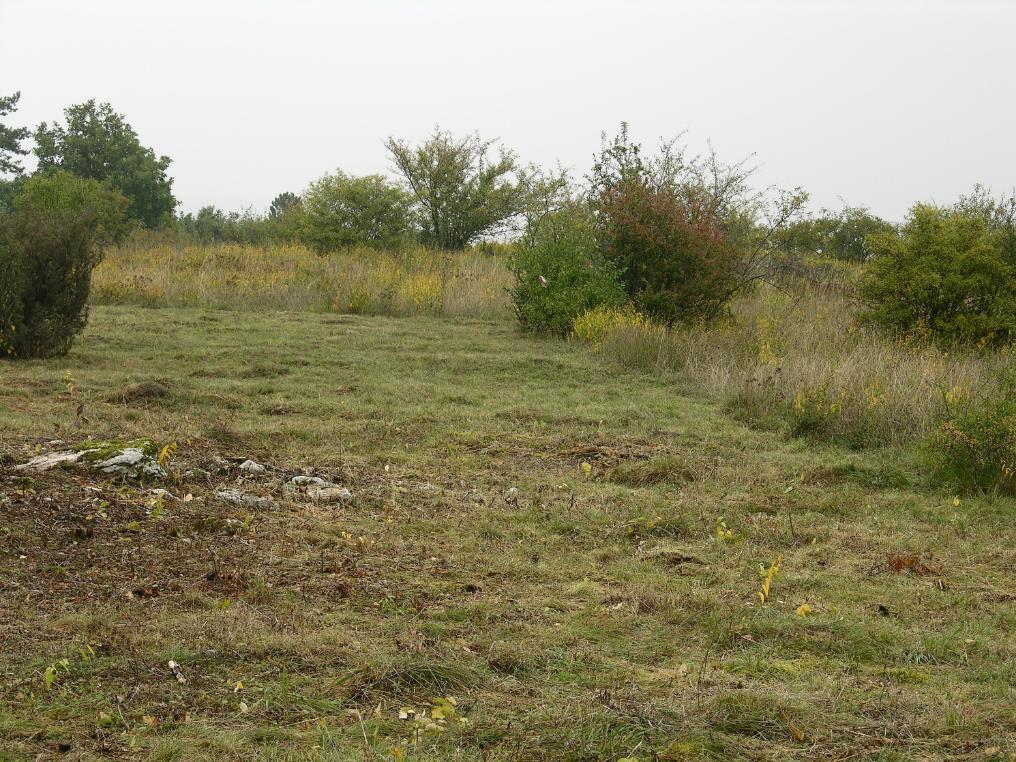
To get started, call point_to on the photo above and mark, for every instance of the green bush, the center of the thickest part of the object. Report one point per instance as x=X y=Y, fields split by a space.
x=340 y=210
x=559 y=273
x=841 y=235
x=975 y=448
x=49 y=245
x=212 y=225
x=945 y=276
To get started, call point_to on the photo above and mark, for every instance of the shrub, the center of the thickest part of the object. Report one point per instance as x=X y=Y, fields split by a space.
x=945 y=276
x=12 y=276
x=841 y=235
x=975 y=447
x=212 y=225
x=674 y=260
x=559 y=273
x=340 y=210
x=685 y=234
x=48 y=248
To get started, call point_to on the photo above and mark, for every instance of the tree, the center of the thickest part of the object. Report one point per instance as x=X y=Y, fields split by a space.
x=281 y=204
x=209 y=225
x=463 y=191
x=98 y=144
x=851 y=232
x=212 y=225
x=841 y=235
x=49 y=246
x=341 y=210
x=946 y=275
x=10 y=138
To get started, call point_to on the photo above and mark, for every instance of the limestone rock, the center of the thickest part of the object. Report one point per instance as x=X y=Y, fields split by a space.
x=329 y=494
x=50 y=460
x=131 y=463
x=317 y=489
x=245 y=500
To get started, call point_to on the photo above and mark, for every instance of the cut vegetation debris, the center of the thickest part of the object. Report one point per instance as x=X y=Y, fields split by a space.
x=479 y=593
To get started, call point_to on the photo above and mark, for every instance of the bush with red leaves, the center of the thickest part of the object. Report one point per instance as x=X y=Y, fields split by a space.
x=684 y=233
x=674 y=260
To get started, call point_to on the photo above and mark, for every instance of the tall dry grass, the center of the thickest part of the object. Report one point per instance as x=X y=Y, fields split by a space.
x=800 y=360
x=791 y=357
x=293 y=277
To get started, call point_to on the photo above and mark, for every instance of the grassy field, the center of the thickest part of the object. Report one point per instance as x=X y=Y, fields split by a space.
x=792 y=357
x=570 y=551
x=151 y=273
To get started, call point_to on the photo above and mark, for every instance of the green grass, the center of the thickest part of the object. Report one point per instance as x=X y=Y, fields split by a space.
x=574 y=613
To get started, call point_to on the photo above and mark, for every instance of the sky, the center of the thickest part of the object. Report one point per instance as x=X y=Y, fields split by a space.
x=877 y=104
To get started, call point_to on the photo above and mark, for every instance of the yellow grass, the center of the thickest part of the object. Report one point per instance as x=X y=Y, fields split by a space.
x=293 y=277
x=803 y=357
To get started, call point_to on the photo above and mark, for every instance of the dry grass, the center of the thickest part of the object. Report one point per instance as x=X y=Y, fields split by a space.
x=795 y=360
x=575 y=613
x=802 y=360
x=293 y=277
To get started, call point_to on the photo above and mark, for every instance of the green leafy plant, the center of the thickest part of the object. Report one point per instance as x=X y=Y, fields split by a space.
x=52 y=673
x=49 y=246
x=946 y=276
x=974 y=449
x=340 y=210
x=559 y=273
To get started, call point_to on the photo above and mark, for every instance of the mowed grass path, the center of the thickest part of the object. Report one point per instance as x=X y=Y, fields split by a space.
x=531 y=533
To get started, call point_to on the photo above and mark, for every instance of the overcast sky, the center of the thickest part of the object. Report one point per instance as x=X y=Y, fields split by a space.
x=880 y=104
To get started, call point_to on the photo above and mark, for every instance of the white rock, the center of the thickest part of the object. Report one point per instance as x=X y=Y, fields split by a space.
x=49 y=460
x=308 y=481
x=132 y=462
x=252 y=467
x=317 y=489
x=330 y=494
x=236 y=497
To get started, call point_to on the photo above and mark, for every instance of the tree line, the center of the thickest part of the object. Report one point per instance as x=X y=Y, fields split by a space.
x=674 y=235
x=452 y=191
